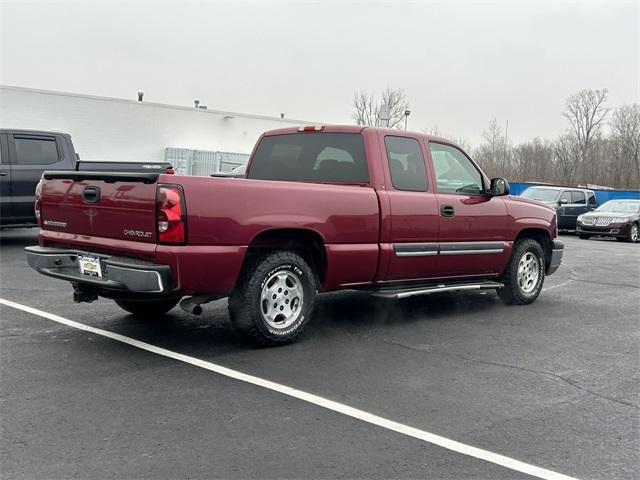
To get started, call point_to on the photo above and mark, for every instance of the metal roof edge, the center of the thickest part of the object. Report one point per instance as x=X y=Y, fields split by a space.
x=155 y=104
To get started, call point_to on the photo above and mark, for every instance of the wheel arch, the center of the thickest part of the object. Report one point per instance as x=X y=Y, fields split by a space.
x=541 y=236
x=307 y=243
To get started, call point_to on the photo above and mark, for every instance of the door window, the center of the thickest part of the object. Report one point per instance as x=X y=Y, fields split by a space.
x=36 y=151
x=592 y=199
x=578 y=198
x=406 y=164
x=565 y=197
x=455 y=173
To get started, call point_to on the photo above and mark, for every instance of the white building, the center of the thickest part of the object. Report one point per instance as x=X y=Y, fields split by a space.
x=117 y=129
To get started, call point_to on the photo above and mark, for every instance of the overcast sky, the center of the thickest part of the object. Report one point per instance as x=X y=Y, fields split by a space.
x=460 y=63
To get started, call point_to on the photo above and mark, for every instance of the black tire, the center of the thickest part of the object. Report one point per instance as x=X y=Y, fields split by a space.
x=250 y=312
x=513 y=293
x=147 y=308
x=584 y=236
x=634 y=233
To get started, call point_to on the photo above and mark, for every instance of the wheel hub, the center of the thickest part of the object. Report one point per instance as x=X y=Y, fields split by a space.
x=528 y=272
x=281 y=299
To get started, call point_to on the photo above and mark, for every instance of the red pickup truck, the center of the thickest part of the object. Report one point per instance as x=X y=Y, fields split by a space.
x=320 y=208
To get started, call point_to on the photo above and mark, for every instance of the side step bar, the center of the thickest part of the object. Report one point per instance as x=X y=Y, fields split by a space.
x=405 y=292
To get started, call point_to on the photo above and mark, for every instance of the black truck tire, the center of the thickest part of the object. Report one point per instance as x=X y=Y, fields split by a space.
x=634 y=233
x=147 y=308
x=273 y=299
x=524 y=276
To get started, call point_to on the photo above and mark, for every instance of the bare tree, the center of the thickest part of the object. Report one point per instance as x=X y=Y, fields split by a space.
x=492 y=153
x=586 y=113
x=367 y=108
x=567 y=158
x=625 y=126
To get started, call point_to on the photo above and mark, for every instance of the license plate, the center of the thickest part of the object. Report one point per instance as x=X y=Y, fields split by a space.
x=90 y=266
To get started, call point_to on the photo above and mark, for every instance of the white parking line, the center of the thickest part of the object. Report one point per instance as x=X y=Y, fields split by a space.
x=423 y=435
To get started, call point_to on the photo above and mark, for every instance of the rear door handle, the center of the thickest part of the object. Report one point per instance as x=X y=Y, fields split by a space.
x=3 y=174
x=447 y=211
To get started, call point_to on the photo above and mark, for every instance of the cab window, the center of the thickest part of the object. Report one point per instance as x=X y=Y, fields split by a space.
x=455 y=173
x=36 y=150
x=578 y=198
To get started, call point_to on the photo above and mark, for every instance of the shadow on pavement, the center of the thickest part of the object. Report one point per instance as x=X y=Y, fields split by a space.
x=18 y=237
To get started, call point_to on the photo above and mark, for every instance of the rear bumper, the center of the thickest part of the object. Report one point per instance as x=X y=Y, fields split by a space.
x=117 y=273
x=557 y=250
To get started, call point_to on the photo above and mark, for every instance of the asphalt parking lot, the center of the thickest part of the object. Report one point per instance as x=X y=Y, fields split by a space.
x=554 y=384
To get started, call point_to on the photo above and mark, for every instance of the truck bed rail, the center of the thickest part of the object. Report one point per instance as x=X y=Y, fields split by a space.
x=109 y=177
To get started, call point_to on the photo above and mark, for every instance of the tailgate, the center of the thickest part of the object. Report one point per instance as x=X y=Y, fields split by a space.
x=109 y=205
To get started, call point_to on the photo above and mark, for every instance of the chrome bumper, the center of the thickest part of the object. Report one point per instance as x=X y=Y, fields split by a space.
x=557 y=250
x=117 y=274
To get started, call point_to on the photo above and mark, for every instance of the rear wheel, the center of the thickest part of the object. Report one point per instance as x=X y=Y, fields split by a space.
x=147 y=308
x=273 y=300
x=524 y=275
x=584 y=236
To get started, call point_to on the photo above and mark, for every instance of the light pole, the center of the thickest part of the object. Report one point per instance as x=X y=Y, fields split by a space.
x=406 y=117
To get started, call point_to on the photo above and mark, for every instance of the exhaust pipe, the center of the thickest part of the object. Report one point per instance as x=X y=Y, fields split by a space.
x=194 y=304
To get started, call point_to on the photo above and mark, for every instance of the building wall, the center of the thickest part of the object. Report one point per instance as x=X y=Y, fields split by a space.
x=117 y=129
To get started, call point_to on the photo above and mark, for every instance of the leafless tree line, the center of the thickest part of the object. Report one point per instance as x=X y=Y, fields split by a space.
x=601 y=146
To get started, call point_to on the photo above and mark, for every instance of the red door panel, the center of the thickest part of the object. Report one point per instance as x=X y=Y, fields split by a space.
x=472 y=241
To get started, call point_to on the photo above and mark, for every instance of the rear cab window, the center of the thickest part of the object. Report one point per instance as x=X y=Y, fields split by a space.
x=406 y=164
x=311 y=157
x=36 y=150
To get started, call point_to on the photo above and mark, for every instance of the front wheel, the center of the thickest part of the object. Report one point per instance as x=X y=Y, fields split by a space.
x=147 y=308
x=274 y=298
x=524 y=275
x=633 y=236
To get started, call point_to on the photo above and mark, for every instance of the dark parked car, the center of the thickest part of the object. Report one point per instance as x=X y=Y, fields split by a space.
x=615 y=218
x=25 y=154
x=568 y=202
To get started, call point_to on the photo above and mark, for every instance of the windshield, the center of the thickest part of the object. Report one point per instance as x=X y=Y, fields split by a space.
x=619 y=206
x=541 y=194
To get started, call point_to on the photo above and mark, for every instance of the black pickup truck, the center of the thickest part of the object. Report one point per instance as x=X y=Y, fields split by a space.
x=25 y=154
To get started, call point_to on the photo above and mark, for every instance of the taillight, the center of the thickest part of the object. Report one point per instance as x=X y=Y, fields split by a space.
x=37 y=207
x=170 y=171
x=171 y=214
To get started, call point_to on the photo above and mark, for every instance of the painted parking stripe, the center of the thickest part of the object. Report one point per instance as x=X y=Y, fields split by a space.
x=407 y=430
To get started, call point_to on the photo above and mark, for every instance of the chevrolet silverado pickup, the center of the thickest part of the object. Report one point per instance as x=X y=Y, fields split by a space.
x=321 y=208
x=25 y=154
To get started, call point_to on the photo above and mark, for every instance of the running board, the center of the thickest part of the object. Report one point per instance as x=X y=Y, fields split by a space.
x=404 y=292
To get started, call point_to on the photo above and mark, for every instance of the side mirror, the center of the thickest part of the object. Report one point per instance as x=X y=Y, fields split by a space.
x=499 y=186
x=563 y=201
